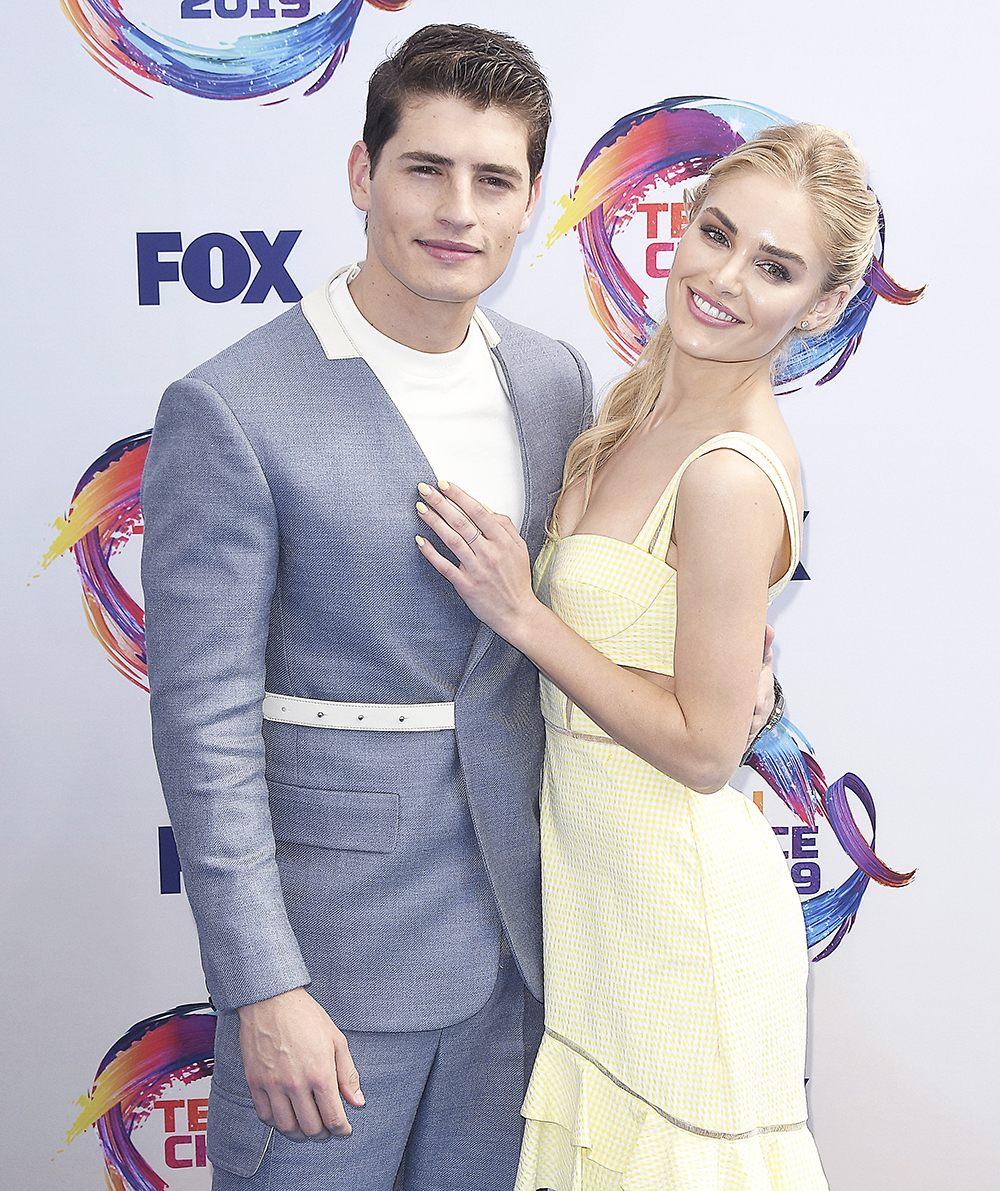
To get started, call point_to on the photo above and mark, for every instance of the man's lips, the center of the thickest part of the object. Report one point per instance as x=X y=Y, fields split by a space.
x=448 y=250
x=711 y=312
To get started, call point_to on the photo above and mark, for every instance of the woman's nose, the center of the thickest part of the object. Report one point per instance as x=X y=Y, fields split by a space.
x=728 y=275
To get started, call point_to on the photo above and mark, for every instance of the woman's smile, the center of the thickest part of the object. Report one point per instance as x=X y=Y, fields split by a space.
x=712 y=313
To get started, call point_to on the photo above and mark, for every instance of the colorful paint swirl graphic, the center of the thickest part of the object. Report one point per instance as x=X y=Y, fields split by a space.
x=174 y=1046
x=255 y=65
x=784 y=759
x=673 y=142
x=103 y=515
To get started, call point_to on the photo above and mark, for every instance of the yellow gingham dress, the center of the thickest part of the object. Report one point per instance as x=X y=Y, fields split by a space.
x=675 y=956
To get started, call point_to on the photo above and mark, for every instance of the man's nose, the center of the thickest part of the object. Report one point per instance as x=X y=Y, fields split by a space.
x=457 y=207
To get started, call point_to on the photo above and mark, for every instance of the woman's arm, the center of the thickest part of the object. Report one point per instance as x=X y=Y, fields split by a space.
x=728 y=531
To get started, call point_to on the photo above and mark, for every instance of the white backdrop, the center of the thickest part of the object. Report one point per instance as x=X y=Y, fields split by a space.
x=888 y=653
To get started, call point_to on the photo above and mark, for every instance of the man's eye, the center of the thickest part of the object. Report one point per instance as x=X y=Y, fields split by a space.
x=498 y=183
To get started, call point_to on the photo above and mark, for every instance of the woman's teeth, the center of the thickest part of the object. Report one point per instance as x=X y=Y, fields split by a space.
x=709 y=309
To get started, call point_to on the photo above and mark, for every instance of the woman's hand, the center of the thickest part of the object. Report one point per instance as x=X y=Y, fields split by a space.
x=494 y=575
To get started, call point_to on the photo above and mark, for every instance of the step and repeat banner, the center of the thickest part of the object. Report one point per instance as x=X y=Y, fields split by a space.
x=176 y=177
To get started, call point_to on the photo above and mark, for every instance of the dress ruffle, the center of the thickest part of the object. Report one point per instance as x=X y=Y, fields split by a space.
x=584 y=1133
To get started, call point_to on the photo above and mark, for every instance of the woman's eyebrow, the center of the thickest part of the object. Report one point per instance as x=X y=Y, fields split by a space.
x=723 y=219
x=784 y=254
x=770 y=249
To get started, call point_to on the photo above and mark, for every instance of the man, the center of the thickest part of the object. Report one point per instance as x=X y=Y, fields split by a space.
x=363 y=864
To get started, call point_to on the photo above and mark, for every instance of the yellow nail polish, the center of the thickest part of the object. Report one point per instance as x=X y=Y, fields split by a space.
x=419 y=540
x=443 y=485
x=424 y=489
x=421 y=507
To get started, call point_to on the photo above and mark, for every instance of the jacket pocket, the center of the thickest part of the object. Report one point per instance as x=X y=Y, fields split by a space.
x=352 y=820
x=237 y=1137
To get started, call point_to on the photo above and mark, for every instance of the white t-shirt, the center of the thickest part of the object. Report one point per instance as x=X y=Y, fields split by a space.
x=453 y=402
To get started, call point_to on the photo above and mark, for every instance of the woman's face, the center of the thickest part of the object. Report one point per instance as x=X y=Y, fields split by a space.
x=747 y=270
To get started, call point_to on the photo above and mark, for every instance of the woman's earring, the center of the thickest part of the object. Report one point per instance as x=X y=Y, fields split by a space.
x=804 y=324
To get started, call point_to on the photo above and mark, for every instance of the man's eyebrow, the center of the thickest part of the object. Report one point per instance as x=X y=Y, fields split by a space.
x=770 y=249
x=482 y=167
x=428 y=158
x=493 y=167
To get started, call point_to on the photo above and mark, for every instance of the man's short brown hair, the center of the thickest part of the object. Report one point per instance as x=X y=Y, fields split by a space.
x=480 y=66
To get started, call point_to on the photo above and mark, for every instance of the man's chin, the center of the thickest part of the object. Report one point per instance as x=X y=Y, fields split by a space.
x=455 y=295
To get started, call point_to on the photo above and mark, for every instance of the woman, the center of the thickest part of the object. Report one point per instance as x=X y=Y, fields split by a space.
x=675 y=955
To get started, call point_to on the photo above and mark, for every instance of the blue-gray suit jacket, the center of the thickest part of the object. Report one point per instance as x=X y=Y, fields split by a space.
x=376 y=868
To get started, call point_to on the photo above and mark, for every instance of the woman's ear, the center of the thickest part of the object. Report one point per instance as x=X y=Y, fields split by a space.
x=827 y=308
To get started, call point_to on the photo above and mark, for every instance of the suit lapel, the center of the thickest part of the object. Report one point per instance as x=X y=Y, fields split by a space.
x=541 y=472
x=536 y=450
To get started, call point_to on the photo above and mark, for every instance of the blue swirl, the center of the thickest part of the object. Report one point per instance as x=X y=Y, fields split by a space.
x=255 y=65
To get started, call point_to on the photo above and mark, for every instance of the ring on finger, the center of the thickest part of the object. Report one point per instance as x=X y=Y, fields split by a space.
x=477 y=534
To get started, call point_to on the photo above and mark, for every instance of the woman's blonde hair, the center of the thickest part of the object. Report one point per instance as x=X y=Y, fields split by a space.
x=831 y=173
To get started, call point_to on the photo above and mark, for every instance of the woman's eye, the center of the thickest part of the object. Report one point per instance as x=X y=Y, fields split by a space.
x=715 y=233
x=773 y=269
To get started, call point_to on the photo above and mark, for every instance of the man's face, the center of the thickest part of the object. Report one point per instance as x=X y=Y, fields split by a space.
x=446 y=200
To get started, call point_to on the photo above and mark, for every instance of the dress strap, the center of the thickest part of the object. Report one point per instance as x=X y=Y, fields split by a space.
x=654 y=536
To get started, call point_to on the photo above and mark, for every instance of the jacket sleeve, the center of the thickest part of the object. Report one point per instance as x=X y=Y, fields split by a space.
x=209 y=563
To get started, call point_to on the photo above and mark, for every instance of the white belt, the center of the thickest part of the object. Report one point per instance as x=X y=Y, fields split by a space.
x=359 y=717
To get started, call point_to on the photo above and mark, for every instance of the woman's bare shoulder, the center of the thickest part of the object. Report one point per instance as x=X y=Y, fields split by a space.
x=728 y=508
x=724 y=477
x=738 y=474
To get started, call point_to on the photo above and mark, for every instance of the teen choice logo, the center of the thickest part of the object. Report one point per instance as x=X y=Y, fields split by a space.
x=220 y=49
x=149 y=1102
x=628 y=210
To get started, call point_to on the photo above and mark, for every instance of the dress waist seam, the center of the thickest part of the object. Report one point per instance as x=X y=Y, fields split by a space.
x=676 y=1121
x=600 y=737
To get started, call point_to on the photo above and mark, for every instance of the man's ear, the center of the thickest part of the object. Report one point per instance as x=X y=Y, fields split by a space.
x=826 y=309
x=359 y=172
x=533 y=192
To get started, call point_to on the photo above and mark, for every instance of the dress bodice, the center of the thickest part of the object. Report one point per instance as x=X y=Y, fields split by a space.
x=622 y=596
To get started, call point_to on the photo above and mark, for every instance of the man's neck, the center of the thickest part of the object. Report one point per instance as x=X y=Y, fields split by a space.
x=424 y=324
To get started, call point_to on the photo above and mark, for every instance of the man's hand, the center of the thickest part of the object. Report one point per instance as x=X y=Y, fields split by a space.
x=765 y=687
x=295 y=1060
